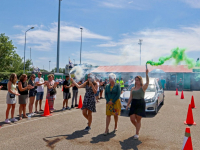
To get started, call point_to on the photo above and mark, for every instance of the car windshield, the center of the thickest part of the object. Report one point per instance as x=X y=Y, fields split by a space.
x=151 y=88
x=4 y=81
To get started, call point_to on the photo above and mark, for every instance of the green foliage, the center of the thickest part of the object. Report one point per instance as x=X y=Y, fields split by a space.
x=61 y=70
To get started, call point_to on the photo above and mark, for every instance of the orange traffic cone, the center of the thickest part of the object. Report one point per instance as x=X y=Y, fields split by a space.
x=182 y=95
x=80 y=104
x=192 y=102
x=189 y=119
x=187 y=142
x=176 y=91
x=46 y=109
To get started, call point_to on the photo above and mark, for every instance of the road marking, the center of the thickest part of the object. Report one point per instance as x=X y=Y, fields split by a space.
x=61 y=113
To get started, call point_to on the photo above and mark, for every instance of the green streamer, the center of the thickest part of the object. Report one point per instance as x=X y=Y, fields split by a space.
x=178 y=55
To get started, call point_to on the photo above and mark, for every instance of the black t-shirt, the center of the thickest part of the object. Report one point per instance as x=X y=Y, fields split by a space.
x=66 y=90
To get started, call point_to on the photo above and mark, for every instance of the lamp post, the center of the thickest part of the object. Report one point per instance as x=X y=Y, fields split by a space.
x=140 y=43
x=49 y=65
x=30 y=58
x=81 y=45
x=58 y=39
x=25 y=46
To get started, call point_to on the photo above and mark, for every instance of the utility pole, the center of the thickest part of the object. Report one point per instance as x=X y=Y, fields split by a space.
x=81 y=45
x=140 y=43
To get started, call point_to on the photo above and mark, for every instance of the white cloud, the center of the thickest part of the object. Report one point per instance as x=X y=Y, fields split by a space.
x=44 y=39
x=193 y=3
x=134 y=4
x=156 y=43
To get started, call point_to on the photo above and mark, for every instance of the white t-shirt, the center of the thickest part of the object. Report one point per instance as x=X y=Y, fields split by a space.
x=129 y=82
x=41 y=87
x=98 y=86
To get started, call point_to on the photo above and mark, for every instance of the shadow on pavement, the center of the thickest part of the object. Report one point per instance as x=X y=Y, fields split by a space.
x=130 y=143
x=102 y=138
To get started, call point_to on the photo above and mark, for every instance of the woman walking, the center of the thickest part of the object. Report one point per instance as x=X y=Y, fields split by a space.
x=32 y=94
x=101 y=87
x=89 y=103
x=11 y=97
x=137 y=110
x=23 y=88
x=113 y=104
x=51 y=93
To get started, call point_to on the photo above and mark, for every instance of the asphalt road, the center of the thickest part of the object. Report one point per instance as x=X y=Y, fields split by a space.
x=64 y=129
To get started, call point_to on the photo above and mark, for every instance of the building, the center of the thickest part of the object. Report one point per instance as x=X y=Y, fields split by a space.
x=190 y=77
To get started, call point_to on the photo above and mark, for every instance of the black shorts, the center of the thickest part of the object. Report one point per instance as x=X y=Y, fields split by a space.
x=122 y=88
x=66 y=95
x=138 y=107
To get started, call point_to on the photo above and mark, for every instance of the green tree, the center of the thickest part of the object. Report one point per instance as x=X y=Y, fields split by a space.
x=61 y=70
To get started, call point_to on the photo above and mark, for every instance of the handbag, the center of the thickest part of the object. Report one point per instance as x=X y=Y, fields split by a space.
x=53 y=92
x=12 y=95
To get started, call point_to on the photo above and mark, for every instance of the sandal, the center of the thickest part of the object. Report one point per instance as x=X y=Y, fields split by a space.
x=25 y=116
x=20 y=117
x=106 y=133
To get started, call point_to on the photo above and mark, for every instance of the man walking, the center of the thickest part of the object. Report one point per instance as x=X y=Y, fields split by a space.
x=122 y=84
x=40 y=92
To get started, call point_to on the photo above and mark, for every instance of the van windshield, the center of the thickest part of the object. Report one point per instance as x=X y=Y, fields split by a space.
x=151 y=88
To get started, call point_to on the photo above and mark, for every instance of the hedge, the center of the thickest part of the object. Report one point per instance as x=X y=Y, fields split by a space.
x=6 y=75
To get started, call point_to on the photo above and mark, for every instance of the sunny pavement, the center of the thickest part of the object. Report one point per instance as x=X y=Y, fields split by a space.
x=64 y=129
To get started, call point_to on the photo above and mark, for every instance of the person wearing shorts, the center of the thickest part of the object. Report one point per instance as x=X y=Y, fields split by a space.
x=66 y=92
x=40 y=92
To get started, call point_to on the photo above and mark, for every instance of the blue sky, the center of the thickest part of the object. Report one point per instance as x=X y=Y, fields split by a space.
x=111 y=29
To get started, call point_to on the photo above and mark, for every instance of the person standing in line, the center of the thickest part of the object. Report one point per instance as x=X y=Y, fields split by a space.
x=11 y=97
x=167 y=84
x=113 y=103
x=163 y=83
x=75 y=94
x=122 y=84
x=51 y=95
x=60 y=82
x=137 y=110
x=117 y=81
x=32 y=94
x=89 y=103
x=97 y=94
x=66 y=92
x=129 y=82
x=101 y=87
x=23 y=88
x=40 y=92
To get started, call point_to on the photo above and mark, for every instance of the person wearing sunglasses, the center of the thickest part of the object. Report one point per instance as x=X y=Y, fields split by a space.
x=40 y=91
x=137 y=110
x=89 y=103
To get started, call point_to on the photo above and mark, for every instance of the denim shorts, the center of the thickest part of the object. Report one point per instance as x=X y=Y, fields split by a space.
x=97 y=94
x=39 y=95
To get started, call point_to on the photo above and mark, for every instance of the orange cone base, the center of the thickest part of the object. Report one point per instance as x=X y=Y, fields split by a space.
x=46 y=115
x=189 y=124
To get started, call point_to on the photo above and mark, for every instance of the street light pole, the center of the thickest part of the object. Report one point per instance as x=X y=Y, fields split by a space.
x=58 y=40
x=49 y=66
x=140 y=43
x=30 y=58
x=81 y=45
x=25 y=46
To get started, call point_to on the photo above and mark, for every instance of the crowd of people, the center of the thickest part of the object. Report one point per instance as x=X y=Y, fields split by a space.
x=94 y=87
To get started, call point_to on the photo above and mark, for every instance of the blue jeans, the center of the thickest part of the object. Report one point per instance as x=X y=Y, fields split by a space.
x=39 y=95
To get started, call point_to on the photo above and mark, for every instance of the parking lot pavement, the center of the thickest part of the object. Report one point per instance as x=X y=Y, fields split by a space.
x=64 y=129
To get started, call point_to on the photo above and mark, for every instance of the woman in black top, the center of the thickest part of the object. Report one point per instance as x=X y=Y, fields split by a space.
x=32 y=94
x=23 y=88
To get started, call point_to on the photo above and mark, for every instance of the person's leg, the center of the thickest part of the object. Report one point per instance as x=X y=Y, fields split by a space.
x=7 y=110
x=84 y=111
x=73 y=97
x=12 y=110
x=76 y=96
x=138 y=124
x=66 y=103
x=116 y=120
x=41 y=98
x=31 y=104
x=40 y=102
x=24 y=111
x=108 y=118
x=89 y=118
x=36 y=103
x=20 y=111
x=133 y=119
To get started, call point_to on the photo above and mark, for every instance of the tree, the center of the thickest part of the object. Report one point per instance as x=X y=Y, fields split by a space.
x=61 y=70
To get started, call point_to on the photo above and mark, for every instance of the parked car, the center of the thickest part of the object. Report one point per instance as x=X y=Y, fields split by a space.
x=4 y=83
x=154 y=96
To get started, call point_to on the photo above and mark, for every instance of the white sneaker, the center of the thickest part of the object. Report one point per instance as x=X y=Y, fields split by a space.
x=13 y=120
x=7 y=121
x=63 y=108
x=136 y=137
x=32 y=114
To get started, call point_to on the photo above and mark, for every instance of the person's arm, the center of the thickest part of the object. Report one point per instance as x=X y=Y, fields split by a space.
x=1 y=87
x=117 y=96
x=21 y=88
x=130 y=99
x=38 y=83
x=49 y=85
x=147 y=81
x=94 y=88
x=9 y=89
x=67 y=87
x=78 y=86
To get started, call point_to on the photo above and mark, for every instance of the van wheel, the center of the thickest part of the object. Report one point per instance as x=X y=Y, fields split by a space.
x=162 y=101
x=156 y=109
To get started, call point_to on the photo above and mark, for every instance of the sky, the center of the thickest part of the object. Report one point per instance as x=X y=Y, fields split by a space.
x=111 y=30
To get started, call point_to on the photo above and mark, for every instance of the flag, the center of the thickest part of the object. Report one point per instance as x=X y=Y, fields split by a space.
x=71 y=65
